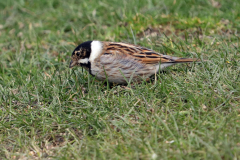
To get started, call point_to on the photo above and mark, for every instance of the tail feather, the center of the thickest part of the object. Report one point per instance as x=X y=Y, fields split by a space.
x=187 y=60
x=176 y=60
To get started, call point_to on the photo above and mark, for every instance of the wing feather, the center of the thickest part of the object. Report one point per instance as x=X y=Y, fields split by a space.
x=143 y=54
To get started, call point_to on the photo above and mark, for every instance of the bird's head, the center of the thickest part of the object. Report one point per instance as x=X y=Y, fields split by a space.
x=81 y=54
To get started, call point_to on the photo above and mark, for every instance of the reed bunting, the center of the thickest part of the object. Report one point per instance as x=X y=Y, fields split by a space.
x=120 y=62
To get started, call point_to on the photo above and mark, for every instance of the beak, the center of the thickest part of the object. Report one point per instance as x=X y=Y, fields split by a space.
x=72 y=64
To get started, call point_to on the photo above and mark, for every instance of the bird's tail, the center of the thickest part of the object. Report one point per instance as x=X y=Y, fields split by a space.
x=187 y=60
x=175 y=60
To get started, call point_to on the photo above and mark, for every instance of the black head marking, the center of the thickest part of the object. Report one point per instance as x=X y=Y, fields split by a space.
x=83 y=50
x=87 y=66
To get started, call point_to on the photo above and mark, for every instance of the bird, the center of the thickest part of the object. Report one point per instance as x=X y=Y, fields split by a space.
x=120 y=62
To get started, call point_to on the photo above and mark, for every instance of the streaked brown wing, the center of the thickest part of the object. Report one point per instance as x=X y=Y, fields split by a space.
x=146 y=55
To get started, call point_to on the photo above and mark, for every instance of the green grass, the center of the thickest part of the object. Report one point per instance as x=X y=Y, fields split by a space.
x=49 y=111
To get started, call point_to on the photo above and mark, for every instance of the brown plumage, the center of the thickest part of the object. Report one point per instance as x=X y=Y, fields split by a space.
x=120 y=62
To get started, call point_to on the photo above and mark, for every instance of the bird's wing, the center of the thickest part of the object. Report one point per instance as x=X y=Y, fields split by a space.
x=143 y=54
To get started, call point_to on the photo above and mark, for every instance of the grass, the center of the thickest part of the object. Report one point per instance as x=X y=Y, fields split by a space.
x=49 y=111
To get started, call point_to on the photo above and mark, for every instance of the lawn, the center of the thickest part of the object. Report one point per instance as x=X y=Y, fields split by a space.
x=189 y=111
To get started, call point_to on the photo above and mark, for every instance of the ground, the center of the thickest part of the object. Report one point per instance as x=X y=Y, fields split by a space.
x=49 y=111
